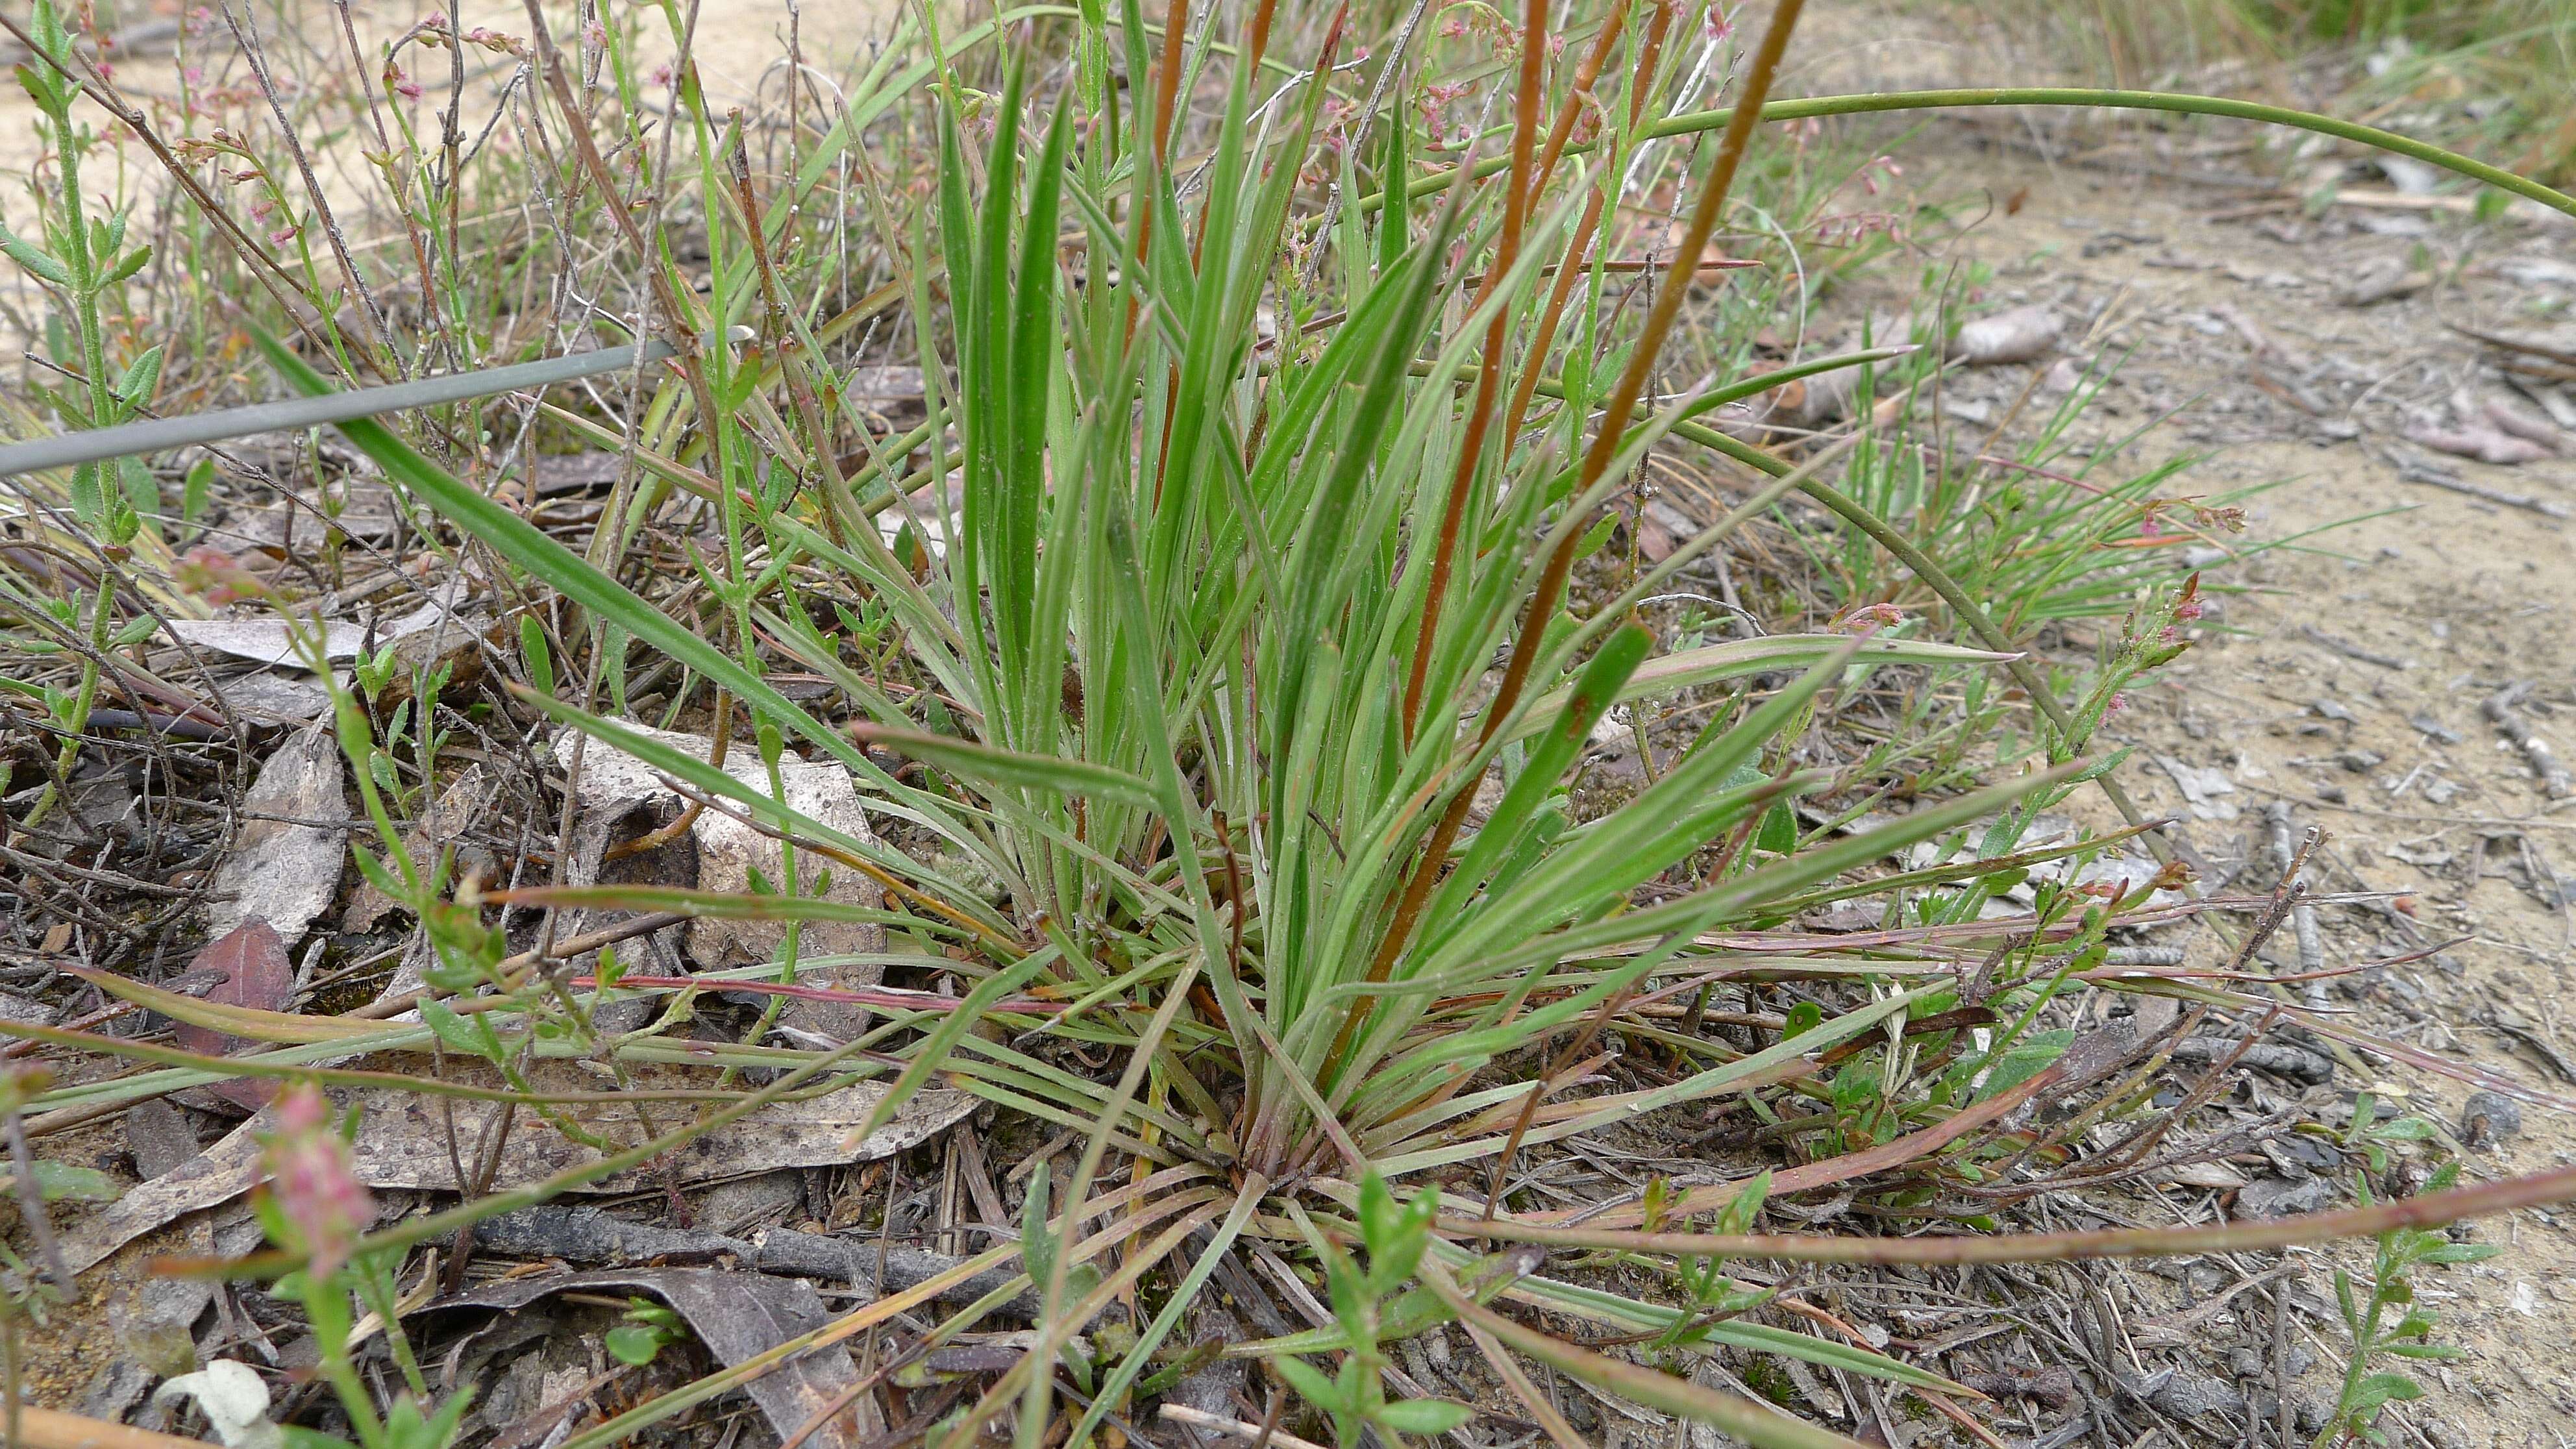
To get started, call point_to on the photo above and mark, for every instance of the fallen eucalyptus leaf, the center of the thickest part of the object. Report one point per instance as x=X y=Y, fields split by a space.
x=251 y=969
x=402 y=1136
x=215 y=1176
x=266 y=641
x=2019 y=335
x=612 y=785
x=284 y=866
x=2478 y=441
x=737 y=1316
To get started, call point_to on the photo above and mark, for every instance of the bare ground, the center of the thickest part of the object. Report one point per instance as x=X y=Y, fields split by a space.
x=2346 y=680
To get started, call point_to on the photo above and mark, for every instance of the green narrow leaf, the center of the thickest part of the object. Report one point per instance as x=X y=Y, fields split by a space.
x=66 y=1182
x=1395 y=223
x=1309 y=1382
x=89 y=495
x=632 y=1344
x=142 y=490
x=127 y=266
x=1779 y=833
x=141 y=376
x=524 y=545
x=1425 y=1417
x=2024 y=1060
x=1061 y=774
x=1603 y=677
x=44 y=264
x=540 y=659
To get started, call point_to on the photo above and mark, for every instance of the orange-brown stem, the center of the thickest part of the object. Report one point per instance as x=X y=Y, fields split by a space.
x=1571 y=268
x=1588 y=71
x=1471 y=449
x=1650 y=340
x=1596 y=462
x=1198 y=238
x=1167 y=88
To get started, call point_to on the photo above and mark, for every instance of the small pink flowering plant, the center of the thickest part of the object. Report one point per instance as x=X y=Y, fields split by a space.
x=314 y=1206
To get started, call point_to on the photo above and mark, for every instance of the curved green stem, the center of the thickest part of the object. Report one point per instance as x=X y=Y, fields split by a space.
x=1691 y=122
x=1979 y=622
x=2173 y=102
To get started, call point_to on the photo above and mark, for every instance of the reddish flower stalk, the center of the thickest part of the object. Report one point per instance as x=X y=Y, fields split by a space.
x=1167 y=90
x=312 y=1183
x=1596 y=462
x=1480 y=416
x=1571 y=268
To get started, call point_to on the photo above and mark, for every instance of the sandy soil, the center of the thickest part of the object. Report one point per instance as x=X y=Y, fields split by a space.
x=739 y=45
x=2421 y=797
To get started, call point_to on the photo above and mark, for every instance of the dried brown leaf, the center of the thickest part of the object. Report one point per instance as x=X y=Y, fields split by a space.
x=251 y=968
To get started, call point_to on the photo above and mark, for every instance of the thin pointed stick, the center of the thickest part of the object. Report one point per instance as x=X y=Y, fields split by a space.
x=2429 y=1210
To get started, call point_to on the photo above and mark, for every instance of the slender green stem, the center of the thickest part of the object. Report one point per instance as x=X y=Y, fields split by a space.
x=2175 y=103
x=83 y=701
x=2426 y=1211
x=1938 y=579
x=84 y=269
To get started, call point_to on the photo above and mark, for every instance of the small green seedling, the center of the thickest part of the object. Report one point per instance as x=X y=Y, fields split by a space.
x=2366 y=1391
x=1394 y=1236
x=646 y=1330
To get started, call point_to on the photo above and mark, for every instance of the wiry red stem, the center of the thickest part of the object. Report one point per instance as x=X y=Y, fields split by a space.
x=1480 y=416
x=1596 y=462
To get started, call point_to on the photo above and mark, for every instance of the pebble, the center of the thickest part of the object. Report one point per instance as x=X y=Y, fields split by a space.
x=2186 y=1391
x=2277 y=1197
x=2490 y=1117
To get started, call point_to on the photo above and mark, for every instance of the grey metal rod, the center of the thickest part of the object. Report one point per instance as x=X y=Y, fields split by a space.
x=159 y=434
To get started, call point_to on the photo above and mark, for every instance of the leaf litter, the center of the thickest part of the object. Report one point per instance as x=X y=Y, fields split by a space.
x=738 y=1316
x=403 y=1138
x=284 y=867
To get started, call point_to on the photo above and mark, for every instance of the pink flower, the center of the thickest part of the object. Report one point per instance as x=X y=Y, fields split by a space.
x=1869 y=619
x=194 y=75
x=215 y=576
x=1721 y=25
x=661 y=76
x=2189 y=608
x=2115 y=704
x=310 y=1180
x=596 y=34
x=282 y=235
